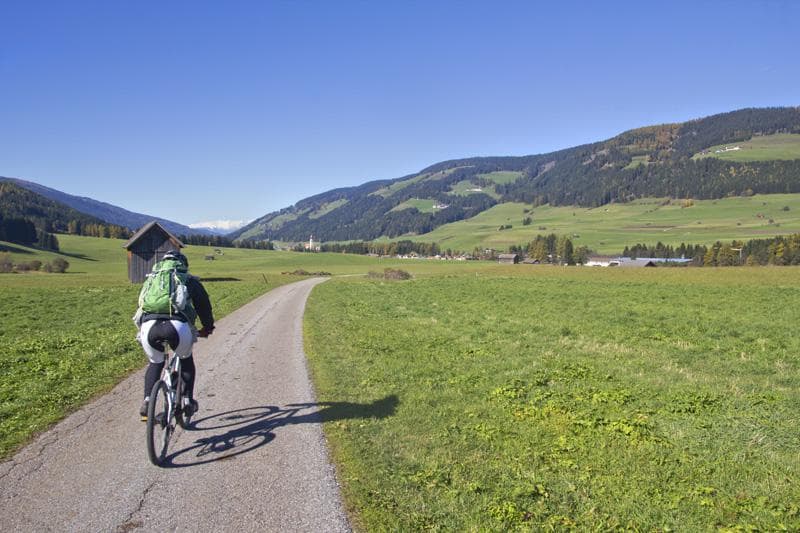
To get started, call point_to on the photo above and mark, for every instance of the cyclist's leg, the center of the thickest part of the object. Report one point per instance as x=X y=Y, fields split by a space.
x=184 y=351
x=187 y=373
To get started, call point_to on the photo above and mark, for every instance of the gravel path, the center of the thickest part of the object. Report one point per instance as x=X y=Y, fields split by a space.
x=255 y=460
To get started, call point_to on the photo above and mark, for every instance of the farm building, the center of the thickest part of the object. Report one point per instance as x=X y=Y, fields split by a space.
x=606 y=261
x=638 y=263
x=510 y=259
x=146 y=247
x=603 y=261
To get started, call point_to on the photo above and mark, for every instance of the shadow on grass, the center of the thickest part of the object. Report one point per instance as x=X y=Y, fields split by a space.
x=247 y=429
x=8 y=248
x=5 y=247
x=76 y=256
x=220 y=279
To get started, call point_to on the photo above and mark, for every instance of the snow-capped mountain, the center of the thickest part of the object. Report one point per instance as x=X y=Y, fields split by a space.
x=220 y=227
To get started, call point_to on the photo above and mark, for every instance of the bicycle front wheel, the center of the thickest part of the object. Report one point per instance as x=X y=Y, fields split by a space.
x=160 y=423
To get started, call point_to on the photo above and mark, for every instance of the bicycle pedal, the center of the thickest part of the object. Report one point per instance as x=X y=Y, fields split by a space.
x=143 y=418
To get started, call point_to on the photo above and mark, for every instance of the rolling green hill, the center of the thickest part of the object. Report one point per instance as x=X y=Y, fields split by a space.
x=608 y=229
x=664 y=161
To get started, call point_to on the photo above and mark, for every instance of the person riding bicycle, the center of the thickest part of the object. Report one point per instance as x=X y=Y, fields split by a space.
x=177 y=330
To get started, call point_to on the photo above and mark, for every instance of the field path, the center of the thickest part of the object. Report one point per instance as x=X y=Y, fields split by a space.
x=256 y=459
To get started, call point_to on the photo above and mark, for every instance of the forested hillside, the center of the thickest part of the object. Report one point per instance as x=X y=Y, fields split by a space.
x=22 y=210
x=104 y=212
x=654 y=161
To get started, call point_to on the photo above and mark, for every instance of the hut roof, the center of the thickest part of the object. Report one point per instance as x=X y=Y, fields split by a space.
x=146 y=229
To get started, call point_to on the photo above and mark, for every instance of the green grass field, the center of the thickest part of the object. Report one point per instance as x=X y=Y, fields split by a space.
x=608 y=229
x=765 y=148
x=65 y=338
x=553 y=398
x=481 y=397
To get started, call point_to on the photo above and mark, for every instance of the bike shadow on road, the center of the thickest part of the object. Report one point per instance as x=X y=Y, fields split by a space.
x=247 y=429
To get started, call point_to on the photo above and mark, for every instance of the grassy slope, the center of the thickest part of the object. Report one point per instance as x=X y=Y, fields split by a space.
x=537 y=398
x=610 y=228
x=462 y=188
x=422 y=205
x=327 y=208
x=274 y=223
x=501 y=176
x=766 y=148
x=67 y=337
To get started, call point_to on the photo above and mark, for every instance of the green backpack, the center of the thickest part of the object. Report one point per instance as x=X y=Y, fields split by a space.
x=164 y=290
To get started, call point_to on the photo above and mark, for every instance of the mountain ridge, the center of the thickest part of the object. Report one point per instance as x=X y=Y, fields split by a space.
x=104 y=211
x=656 y=160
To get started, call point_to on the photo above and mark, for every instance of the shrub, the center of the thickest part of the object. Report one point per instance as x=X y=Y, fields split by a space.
x=6 y=265
x=303 y=272
x=390 y=273
x=32 y=265
x=58 y=265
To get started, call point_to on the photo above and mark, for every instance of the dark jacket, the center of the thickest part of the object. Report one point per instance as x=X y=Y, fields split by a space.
x=201 y=305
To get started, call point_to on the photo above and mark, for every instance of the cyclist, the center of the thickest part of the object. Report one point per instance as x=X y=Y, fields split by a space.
x=179 y=331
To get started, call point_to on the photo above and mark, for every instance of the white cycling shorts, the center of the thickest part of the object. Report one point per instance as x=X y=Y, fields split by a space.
x=151 y=341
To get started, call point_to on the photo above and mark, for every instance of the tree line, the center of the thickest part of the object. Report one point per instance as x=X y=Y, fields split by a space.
x=553 y=249
x=404 y=247
x=666 y=251
x=24 y=232
x=220 y=241
x=781 y=250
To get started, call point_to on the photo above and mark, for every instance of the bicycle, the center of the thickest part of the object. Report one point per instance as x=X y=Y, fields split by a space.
x=165 y=408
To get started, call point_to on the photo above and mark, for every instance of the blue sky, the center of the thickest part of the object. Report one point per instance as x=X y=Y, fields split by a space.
x=202 y=110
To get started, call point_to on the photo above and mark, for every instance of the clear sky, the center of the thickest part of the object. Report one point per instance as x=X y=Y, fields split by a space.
x=202 y=110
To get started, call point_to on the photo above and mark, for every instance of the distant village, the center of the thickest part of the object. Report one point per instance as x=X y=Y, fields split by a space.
x=490 y=254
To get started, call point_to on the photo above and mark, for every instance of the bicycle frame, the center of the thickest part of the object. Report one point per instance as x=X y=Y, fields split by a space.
x=170 y=375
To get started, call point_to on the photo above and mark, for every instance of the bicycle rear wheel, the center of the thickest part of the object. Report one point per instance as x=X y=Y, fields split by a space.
x=183 y=420
x=160 y=423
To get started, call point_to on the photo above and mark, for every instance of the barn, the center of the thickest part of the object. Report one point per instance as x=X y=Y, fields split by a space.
x=510 y=259
x=146 y=247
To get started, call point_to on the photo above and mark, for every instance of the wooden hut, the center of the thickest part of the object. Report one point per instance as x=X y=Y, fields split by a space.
x=510 y=259
x=146 y=247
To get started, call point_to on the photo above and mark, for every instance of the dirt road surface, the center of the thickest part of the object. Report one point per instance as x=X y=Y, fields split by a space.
x=255 y=459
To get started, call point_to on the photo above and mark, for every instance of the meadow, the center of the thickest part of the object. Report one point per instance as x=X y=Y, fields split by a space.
x=608 y=229
x=65 y=338
x=529 y=398
x=478 y=396
x=784 y=146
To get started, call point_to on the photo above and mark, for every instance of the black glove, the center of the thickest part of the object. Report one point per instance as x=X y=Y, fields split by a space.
x=205 y=332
